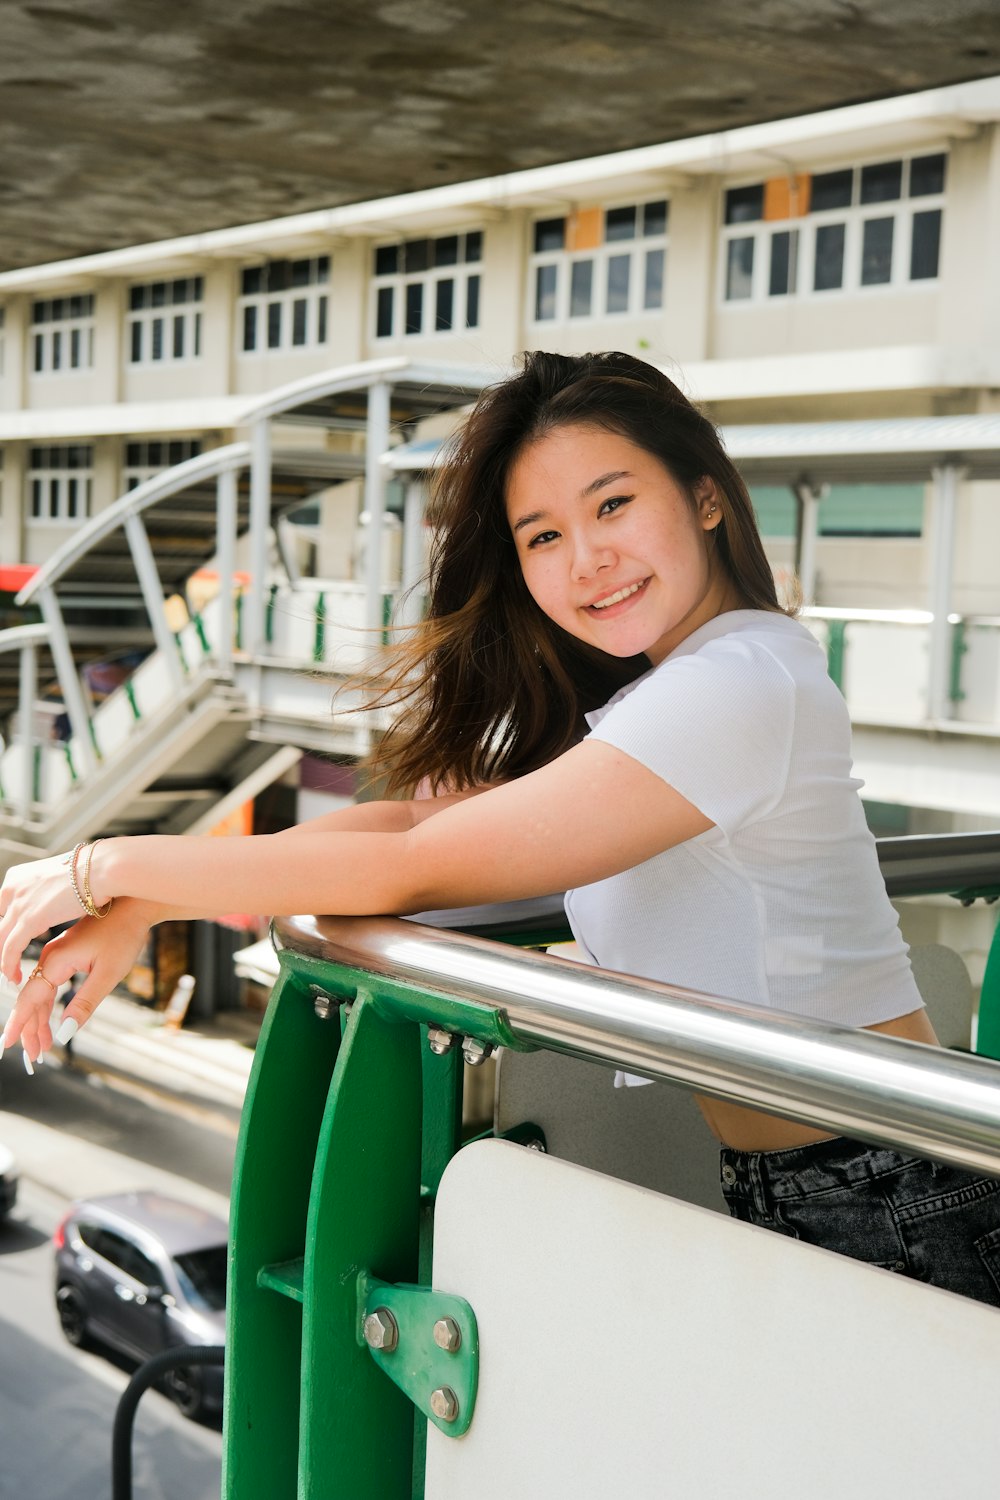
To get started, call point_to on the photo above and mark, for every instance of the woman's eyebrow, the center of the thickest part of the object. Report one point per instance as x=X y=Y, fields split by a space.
x=597 y=484
x=612 y=478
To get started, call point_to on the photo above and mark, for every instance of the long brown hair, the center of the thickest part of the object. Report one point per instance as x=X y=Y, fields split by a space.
x=487 y=687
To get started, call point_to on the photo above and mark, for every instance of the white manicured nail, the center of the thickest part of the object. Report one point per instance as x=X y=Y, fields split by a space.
x=39 y=1059
x=68 y=1029
x=27 y=1065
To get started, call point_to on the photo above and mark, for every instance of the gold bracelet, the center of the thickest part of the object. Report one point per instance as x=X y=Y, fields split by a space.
x=73 y=878
x=90 y=906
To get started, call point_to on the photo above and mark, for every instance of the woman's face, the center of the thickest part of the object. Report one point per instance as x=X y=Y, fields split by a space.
x=610 y=546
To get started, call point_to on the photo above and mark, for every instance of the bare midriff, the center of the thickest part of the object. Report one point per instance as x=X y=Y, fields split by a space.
x=752 y=1130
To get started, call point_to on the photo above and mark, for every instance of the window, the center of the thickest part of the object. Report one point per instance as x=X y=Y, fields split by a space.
x=145 y=459
x=877 y=225
x=62 y=335
x=846 y=510
x=284 y=305
x=164 y=321
x=599 y=263
x=59 y=483
x=428 y=286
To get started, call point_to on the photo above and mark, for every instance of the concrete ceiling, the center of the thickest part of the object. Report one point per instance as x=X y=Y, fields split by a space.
x=123 y=121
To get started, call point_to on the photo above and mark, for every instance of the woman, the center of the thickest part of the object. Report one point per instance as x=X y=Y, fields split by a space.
x=596 y=547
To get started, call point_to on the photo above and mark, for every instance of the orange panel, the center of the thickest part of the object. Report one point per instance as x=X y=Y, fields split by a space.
x=584 y=229
x=787 y=197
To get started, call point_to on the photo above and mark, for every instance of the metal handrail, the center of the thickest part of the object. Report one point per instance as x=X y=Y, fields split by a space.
x=160 y=487
x=935 y=1103
x=940 y=864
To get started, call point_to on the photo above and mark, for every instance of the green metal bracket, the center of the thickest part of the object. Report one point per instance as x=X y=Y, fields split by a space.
x=239 y=620
x=395 y=1001
x=272 y=595
x=427 y=1342
x=132 y=701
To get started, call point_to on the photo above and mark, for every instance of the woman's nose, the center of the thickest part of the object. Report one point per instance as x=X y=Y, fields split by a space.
x=590 y=556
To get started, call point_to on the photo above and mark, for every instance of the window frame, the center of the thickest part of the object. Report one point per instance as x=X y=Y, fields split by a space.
x=315 y=293
x=563 y=261
x=853 y=217
x=461 y=273
x=188 y=311
x=133 y=474
x=54 y=486
x=50 y=334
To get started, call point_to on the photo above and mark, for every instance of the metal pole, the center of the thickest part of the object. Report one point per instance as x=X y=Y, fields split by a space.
x=414 y=504
x=935 y=1103
x=27 y=693
x=260 y=525
x=376 y=444
x=942 y=550
x=152 y=593
x=808 y=497
x=225 y=545
x=69 y=681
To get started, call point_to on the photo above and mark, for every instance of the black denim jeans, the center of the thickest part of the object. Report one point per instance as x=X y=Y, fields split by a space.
x=934 y=1223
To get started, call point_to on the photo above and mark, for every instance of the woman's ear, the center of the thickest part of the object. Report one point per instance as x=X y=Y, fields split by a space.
x=709 y=505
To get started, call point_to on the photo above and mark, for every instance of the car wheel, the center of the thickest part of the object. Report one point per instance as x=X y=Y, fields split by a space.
x=185 y=1389
x=72 y=1310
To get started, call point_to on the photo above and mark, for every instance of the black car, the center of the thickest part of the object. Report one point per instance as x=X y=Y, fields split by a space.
x=143 y=1272
x=8 y=1181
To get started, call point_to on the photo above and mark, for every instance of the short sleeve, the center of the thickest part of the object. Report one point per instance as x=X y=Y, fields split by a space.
x=716 y=725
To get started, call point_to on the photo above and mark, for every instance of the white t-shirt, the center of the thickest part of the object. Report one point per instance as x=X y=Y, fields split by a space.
x=781 y=903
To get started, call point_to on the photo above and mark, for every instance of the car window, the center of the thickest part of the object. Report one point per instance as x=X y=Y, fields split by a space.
x=202 y=1277
x=121 y=1252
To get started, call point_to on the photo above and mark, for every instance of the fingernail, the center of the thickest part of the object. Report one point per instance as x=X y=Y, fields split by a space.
x=27 y=1065
x=68 y=1029
x=39 y=1059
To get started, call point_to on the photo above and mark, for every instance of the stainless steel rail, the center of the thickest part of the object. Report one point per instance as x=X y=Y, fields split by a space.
x=934 y=1103
x=939 y=862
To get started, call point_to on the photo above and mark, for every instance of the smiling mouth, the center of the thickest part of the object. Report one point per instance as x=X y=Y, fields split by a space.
x=617 y=598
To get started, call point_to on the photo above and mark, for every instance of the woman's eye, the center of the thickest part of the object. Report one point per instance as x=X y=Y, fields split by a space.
x=613 y=503
x=542 y=537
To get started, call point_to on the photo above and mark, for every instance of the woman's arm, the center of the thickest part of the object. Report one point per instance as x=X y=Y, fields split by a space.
x=588 y=815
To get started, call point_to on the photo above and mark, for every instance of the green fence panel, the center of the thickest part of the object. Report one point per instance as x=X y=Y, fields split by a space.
x=280 y=1128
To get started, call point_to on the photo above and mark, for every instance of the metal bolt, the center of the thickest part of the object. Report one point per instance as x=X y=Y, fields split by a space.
x=324 y=1006
x=348 y=1007
x=381 y=1330
x=444 y=1403
x=476 y=1052
x=440 y=1041
x=535 y=1145
x=447 y=1335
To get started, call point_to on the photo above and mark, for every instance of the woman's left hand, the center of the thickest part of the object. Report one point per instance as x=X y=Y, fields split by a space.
x=33 y=898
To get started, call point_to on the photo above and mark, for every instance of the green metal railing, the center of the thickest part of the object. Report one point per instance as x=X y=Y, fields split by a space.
x=339 y=1351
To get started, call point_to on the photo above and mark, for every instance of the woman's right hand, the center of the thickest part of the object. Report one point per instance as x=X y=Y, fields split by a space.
x=102 y=950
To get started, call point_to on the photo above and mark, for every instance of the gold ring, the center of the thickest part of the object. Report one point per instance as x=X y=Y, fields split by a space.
x=36 y=973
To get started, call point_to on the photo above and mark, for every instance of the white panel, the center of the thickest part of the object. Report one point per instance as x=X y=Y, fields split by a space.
x=633 y=1345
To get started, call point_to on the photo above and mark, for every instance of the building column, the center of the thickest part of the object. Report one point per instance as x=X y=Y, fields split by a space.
x=941 y=544
x=808 y=498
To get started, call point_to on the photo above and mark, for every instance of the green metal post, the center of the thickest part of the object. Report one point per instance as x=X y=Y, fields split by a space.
x=356 y=1439
x=836 y=630
x=988 y=1027
x=282 y=1115
x=959 y=647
